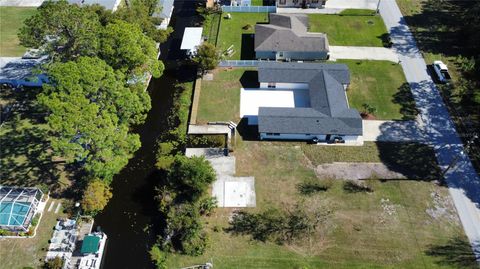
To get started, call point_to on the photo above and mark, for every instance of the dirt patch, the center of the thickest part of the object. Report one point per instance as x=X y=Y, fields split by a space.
x=342 y=170
x=441 y=207
x=367 y=116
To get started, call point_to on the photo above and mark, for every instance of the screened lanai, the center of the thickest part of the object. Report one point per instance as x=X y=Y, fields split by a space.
x=18 y=206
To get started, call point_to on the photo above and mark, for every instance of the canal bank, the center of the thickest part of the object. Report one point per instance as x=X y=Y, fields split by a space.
x=129 y=219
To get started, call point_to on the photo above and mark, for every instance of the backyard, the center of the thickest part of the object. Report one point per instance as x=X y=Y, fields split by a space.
x=11 y=18
x=220 y=98
x=238 y=31
x=351 y=28
x=397 y=225
x=23 y=253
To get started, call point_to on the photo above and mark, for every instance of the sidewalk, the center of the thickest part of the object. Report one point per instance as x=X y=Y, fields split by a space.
x=363 y=53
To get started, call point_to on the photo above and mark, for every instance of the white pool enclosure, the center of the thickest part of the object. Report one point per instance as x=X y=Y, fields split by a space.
x=18 y=206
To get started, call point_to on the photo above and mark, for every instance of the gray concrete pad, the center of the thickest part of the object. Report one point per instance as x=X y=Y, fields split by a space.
x=230 y=191
x=342 y=170
x=363 y=53
x=208 y=129
x=392 y=131
x=352 y=4
x=21 y=3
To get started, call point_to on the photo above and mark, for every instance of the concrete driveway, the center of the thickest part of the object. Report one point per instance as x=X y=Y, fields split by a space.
x=462 y=179
x=21 y=3
x=392 y=131
x=363 y=53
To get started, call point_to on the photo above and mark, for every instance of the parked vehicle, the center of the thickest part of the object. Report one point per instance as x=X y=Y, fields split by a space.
x=441 y=70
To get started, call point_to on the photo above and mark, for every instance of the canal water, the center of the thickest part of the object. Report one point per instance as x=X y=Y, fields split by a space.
x=129 y=219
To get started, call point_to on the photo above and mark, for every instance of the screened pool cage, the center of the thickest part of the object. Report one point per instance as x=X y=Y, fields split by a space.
x=18 y=206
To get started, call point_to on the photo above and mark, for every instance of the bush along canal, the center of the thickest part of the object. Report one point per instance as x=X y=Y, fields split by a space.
x=131 y=217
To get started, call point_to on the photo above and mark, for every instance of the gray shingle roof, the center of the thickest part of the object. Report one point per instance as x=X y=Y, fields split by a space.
x=288 y=33
x=329 y=112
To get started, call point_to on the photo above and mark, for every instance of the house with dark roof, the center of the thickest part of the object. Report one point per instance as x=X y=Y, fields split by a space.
x=286 y=37
x=328 y=116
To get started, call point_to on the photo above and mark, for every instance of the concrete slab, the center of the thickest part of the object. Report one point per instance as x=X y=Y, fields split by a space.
x=353 y=4
x=363 y=53
x=289 y=10
x=252 y=99
x=208 y=129
x=392 y=131
x=206 y=152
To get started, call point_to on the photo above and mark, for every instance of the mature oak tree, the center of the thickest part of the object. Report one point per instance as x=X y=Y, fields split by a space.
x=90 y=110
x=207 y=57
x=64 y=31
x=125 y=47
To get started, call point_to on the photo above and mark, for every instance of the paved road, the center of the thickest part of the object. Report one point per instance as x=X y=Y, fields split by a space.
x=463 y=182
x=363 y=53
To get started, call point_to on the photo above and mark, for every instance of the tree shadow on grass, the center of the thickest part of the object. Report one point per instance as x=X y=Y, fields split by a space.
x=456 y=252
x=414 y=160
x=248 y=47
x=26 y=158
x=405 y=98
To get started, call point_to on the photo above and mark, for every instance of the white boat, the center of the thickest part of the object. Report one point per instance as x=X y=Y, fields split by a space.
x=93 y=248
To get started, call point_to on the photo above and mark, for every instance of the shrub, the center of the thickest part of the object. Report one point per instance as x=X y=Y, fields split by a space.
x=208 y=205
x=195 y=243
x=55 y=263
x=158 y=257
x=247 y=27
x=311 y=186
x=353 y=186
x=35 y=220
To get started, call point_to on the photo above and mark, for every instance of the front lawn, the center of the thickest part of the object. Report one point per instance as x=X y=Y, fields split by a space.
x=220 y=98
x=391 y=227
x=11 y=19
x=382 y=85
x=350 y=29
x=238 y=31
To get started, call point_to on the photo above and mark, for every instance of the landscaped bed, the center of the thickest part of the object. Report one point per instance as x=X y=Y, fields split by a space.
x=351 y=28
x=238 y=31
x=11 y=19
x=381 y=85
x=396 y=224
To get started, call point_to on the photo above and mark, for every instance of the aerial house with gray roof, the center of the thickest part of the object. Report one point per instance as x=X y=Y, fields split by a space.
x=286 y=37
x=318 y=108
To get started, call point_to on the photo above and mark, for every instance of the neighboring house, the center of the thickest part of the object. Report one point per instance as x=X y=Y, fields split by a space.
x=108 y=4
x=301 y=3
x=192 y=38
x=20 y=72
x=165 y=13
x=286 y=37
x=328 y=116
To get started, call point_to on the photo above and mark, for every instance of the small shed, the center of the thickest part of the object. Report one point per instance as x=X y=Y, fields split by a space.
x=192 y=38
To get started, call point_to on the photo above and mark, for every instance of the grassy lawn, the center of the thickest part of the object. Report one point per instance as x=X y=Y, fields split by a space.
x=382 y=85
x=350 y=29
x=359 y=232
x=220 y=98
x=20 y=253
x=232 y=33
x=11 y=19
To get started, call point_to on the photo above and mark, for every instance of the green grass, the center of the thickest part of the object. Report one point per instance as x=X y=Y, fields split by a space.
x=350 y=29
x=11 y=19
x=220 y=98
x=231 y=31
x=382 y=85
x=257 y=3
x=20 y=253
x=357 y=234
